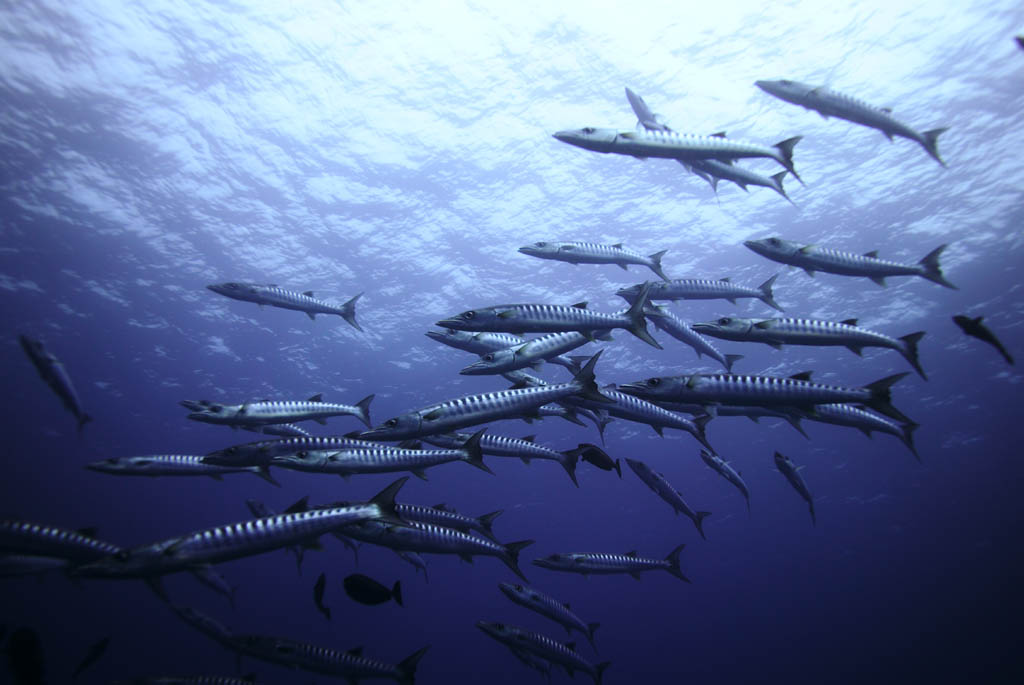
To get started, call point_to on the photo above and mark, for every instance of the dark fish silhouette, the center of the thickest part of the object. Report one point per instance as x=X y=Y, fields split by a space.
x=25 y=657
x=598 y=457
x=318 y=596
x=1020 y=41
x=974 y=328
x=95 y=652
x=366 y=590
x=52 y=371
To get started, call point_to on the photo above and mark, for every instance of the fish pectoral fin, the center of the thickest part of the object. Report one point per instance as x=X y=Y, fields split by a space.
x=308 y=293
x=809 y=272
x=880 y=280
x=856 y=349
x=466 y=558
x=774 y=345
x=420 y=473
x=635 y=574
x=311 y=315
x=433 y=415
x=322 y=422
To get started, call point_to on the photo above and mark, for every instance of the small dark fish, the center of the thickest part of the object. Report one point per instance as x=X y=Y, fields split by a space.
x=25 y=657
x=318 y=595
x=1020 y=41
x=366 y=590
x=93 y=655
x=52 y=371
x=598 y=457
x=974 y=328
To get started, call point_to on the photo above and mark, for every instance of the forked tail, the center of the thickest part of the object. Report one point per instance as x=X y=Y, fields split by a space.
x=766 y=293
x=363 y=410
x=931 y=269
x=785 y=149
x=673 y=561
x=656 y=264
x=881 y=398
x=511 y=556
x=909 y=351
x=347 y=311
x=930 y=143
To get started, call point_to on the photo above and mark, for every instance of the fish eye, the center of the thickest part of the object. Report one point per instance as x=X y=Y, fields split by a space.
x=391 y=423
x=302 y=454
x=519 y=588
x=489 y=357
x=773 y=241
x=469 y=315
x=785 y=82
x=121 y=555
x=724 y=321
x=653 y=382
x=541 y=244
x=588 y=129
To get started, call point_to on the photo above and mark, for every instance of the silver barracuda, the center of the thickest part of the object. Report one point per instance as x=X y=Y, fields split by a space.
x=792 y=473
x=188 y=680
x=829 y=103
x=56 y=376
x=525 y=449
x=260 y=510
x=281 y=430
x=710 y=389
x=752 y=412
x=595 y=253
x=565 y=655
x=234 y=541
x=443 y=516
x=812 y=258
x=685 y=333
x=415 y=560
x=262 y=452
x=663 y=489
x=267 y=412
x=559 y=612
x=173 y=465
x=554 y=318
x=865 y=421
x=444 y=417
x=532 y=661
x=606 y=564
x=722 y=468
x=484 y=342
x=287 y=299
x=532 y=353
x=791 y=331
x=704 y=289
x=523 y=379
x=36 y=539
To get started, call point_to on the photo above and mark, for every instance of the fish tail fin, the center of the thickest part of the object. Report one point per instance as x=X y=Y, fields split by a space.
x=794 y=421
x=587 y=384
x=673 y=561
x=396 y=592
x=599 y=671
x=637 y=322
x=930 y=143
x=908 y=438
x=881 y=397
x=700 y=424
x=932 y=270
x=699 y=522
x=347 y=311
x=363 y=410
x=910 y=351
x=785 y=148
x=568 y=461
x=487 y=520
x=407 y=666
x=576 y=362
x=474 y=455
x=591 y=627
x=766 y=293
x=511 y=555
x=264 y=473
x=656 y=264
x=618 y=468
x=731 y=359
x=777 y=186
x=385 y=501
x=82 y=420
x=814 y=520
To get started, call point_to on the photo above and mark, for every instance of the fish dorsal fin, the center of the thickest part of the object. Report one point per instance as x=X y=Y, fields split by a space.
x=434 y=414
x=566 y=605
x=443 y=507
x=631 y=553
x=617 y=246
x=873 y=254
x=717 y=134
x=727 y=279
x=978 y=319
x=802 y=376
x=301 y=505
x=580 y=305
x=355 y=651
x=571 y=646
x=529 y=438
x=90 y=532
x=308 y=293
x=519 y=385
x=316 y=398
x=849 y=322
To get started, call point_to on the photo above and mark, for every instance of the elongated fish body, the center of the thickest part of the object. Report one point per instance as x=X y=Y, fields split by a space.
x=532 y=661
x=639 y=410
x=565 y=655
x=663 y=489
x=865 y=421
x=484 y=342
x=595 y=253
x=24 y=537
x=530 y=353
x=557 y=611
x=606 y=564
x=721 y=388
x=722 y=468
x=287 y=299
x=266 y=412
x=444 y=517
x=687 y=334
x=351 y=665
x=679 y=146
x=812 y=258
x=829 y=103
x=283 y=430
x=704 y=289
x=791 y=331
x=17 y=565
x=554 y=318
x=503 y=446
x=792 y=473
x=741 y=176
x=56 y=376
x=262 y=453
x=260 y=510
x=976 y=329
x=187 y=680
x=752 y=412
x=247 y=538
x=444 y=417
x=172 y=465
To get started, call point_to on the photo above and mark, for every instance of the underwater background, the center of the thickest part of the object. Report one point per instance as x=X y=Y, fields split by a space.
x=150 y=149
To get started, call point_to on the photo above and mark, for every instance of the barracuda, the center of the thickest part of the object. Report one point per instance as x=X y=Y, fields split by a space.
x=557 y=611
x=471 y=410
x=260 y=510
x=606 y=564
x=263 y=452
x=812 y=258
x=287 y=299
x=829 y=103
x=600 y=418
x=554 y=318
x=173 y=465
x=797 y=391
x=482 y=343
x=704 y=289
x=865 y=421
x=267 y=412
x=792 y=473
x=56 y=376
x=685 y=333
x=24 y=537
x=234 y=541
x=520 y=448
x=752 y=412
x=532 y=353
x=189 y=680
x=564 y=655
x=727 y=472
x=283 y=430
x=791 y=331
x=594 y=253
x=663 y=489
x=18 y=565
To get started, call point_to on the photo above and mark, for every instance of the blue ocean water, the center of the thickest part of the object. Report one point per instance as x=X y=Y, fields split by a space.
x=149 y=149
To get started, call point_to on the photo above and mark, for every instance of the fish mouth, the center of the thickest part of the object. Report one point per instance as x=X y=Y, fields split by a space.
x=478 y=369
x=703 y=327
x=373 y=434
x=632 y=388
x=564 y=136
x=454 y=324
x=435 y=335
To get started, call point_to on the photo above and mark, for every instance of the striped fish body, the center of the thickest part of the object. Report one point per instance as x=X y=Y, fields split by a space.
x=263 y=452
x=548 y=606
x=792 y=473
x=52 y=371
x=499 y=446
x=543 y=647
x=602 y=564
x=663 y=489
x=639 y=410
x=793 y=331
x=704 y=289
x=361 y=460
x=447 y=518
x=283 y=430
x=719 y=466
x=266 y=413
x=594 y=253
x=684 y=333
x=287 y=299
x=24 y=537
x=167 y=465
x=865 y=421
x=537 y=318
x=187 y=680
x=476 y=343
x=741 y=176
x=529 y=353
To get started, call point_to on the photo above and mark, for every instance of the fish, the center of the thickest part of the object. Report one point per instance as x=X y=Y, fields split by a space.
x=366 y=590
x=554 y=318
x=791 y=331
x=592 y=454
x=865 y=421
x=25 y=657
x=1020 y=41
x=812 y=258
x=207 y=625
x=267 y=412
x=483 y=342
x=525 y=448
x=752 y=412
x=189 y=680
x=209 y=577
x=56 y=376
x=559 y=612
x=792 y=473
x=663 y=489
x=18 y=565
x=722 y=468
x=532 y=353
x=318 y=595
x=287 y=299
x=678 y=146
x=594 y=253
x=564 y=655
x=283 y=430
x=154 y=465
x=976 y=329
x=262 y=452
x=415 y=559
x=77 y=546
x=91 y=657
x=665 y=320
x=260 y=510
x=830 y=103
x=704 y=289
x=532 y=661
x=445 y=517
x=604 y=564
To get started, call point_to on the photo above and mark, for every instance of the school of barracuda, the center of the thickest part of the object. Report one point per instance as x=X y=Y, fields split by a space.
x=685 y=402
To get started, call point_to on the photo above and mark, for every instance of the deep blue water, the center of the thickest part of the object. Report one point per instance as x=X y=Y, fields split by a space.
x=147 y=150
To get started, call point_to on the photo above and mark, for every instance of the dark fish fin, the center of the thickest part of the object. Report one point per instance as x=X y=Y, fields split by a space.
x=766 y=294
x=348 y=312
x=407 y=666
x=396 y=593
x=931 y=269
x=511 y=555
x=385 y=501
x=881 y=398
x=673 y=560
